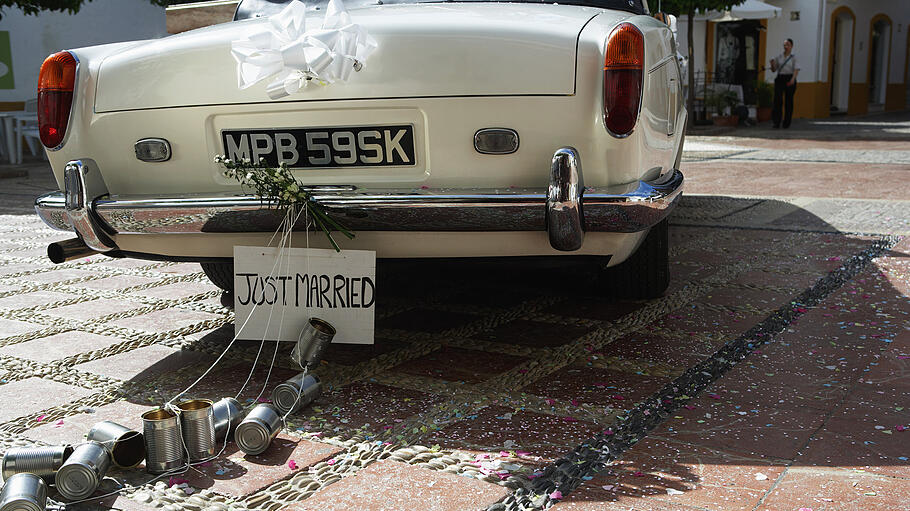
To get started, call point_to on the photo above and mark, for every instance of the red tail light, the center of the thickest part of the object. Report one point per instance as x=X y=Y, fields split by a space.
x=56 y=83
x=623 y=73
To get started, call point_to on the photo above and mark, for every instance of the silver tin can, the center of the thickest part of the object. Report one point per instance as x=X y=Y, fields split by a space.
x=82 y=473
x=258 y=429
x=228 y=413
x=312 y=343
x=40 y=461
x=296 y=393
x=24 y=492
x=197 y=423
x=126 y=445
x=163 y=444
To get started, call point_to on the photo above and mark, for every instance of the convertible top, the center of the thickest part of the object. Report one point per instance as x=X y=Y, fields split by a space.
x=260 y=8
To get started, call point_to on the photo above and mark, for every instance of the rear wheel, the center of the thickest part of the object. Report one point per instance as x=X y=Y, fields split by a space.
x=646 y=274
x=221 y=274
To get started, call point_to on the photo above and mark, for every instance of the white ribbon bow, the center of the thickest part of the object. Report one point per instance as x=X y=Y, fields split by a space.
x=294 y=56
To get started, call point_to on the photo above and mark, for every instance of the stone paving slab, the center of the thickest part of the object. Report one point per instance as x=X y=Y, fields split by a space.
x=143 y=363
x=72 y=429
x=59 y=346
x=393 y=486
x=25 y=397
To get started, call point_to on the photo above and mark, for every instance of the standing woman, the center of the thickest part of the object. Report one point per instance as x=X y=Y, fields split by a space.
x=785 y=84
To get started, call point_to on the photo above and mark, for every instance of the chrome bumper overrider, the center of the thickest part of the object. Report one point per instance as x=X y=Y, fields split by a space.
x=566 y=209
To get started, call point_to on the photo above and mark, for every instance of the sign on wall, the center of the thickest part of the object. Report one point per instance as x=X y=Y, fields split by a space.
x=274 y=297
x=6 y=62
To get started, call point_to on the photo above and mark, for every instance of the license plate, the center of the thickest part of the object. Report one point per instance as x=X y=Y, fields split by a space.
x=363 y=146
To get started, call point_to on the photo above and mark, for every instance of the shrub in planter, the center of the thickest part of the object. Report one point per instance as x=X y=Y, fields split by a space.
x=722 y=103
x=764 y=96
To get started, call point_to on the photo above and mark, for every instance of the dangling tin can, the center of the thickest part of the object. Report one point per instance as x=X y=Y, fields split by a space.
x=312 y=343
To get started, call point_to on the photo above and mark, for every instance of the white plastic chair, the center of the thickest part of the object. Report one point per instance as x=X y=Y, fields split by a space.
x=27 y=128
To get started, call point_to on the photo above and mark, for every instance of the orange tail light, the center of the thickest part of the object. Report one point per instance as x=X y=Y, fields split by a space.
x=56 y=83
x=623 y=77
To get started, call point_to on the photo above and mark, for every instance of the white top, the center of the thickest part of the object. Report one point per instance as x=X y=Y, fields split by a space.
x=790 y=67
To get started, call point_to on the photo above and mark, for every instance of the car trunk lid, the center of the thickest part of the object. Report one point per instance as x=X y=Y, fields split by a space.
x=484 y=49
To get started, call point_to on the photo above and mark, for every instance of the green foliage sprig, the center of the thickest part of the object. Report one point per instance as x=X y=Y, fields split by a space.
x=278 y=188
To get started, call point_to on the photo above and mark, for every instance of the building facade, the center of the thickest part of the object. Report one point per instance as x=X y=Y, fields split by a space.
x=25 y=41
x=854 y=55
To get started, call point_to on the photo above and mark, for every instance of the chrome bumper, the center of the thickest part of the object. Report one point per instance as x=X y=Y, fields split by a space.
x=566 y=209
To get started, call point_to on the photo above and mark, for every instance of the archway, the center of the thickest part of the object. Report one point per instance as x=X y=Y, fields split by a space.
x=879 y=58
x=840 y=62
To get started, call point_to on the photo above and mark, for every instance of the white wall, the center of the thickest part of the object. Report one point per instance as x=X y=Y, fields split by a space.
x=804 y=33
x=812 y=39
x=32 y=38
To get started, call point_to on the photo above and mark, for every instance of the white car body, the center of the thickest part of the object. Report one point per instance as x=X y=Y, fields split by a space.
x=448 y=69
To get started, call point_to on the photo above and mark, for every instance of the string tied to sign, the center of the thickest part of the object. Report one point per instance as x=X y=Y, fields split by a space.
x=291 y=56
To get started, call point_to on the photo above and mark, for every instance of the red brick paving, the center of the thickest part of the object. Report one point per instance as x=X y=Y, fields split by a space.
x=773 y=178
x=836 y=489
x=666 y=475
x=602 y=387
x=533 y=333
x=459 y=365
x=494 y=428
x=356 y=405
x=393 y=486
x=239 y=475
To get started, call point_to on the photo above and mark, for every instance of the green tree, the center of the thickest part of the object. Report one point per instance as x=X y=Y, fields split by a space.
x=689 y=8
x=71 y=6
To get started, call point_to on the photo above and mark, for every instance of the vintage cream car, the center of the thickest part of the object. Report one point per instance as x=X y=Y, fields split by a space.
x=476 y=129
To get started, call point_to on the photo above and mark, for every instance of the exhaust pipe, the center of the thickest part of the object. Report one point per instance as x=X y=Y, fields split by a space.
x=63 y=251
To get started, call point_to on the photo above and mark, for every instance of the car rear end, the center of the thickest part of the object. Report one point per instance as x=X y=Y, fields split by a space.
x=398 y=151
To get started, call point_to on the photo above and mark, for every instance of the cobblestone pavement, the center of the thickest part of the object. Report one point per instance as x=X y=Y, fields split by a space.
x=774 y=373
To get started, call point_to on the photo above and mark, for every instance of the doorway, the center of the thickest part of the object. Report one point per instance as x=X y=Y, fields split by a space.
x=737 y=56
x=841 y=59
x=879 y=46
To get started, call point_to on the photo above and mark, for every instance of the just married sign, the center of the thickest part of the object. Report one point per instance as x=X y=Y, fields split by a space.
x=276 y=292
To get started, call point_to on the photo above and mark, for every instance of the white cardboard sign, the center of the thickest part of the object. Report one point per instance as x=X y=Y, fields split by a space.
x=280 y=295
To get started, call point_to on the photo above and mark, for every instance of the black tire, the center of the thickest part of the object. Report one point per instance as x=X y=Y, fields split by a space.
x=221 y=274
x=646 y=274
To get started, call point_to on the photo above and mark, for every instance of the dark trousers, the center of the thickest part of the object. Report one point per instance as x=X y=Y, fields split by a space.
x=783 y=97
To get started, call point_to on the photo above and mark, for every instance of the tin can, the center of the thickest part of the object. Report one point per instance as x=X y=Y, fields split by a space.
x=312 y=343
x=82 y=473
x=40 y=461
x=126 y=445
x=197 y=423
x=296 y=393
x=163 y=444
x=228 y=413
x=23 y=492
x=258 y=429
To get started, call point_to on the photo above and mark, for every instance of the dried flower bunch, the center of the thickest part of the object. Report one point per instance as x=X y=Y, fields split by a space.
x=278 y=188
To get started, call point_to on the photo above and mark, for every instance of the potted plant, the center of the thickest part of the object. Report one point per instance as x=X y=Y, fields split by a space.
x=722 y=103
x=764 y=97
